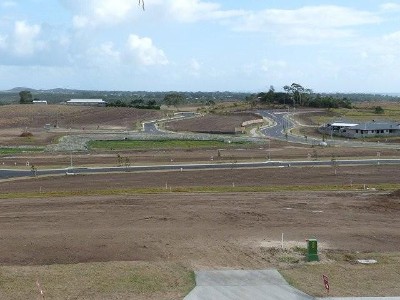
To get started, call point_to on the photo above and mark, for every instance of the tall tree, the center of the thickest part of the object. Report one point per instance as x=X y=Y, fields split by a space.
x=25 y=97
x=296 y=92
x=174 y=99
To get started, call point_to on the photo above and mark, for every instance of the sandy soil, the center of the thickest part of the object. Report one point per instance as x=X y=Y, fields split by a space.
x=206 y=230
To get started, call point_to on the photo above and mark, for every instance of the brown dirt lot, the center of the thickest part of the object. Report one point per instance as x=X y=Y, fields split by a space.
x=36 y=116
x=204 y=230
x=207 y=230
x=212 y=123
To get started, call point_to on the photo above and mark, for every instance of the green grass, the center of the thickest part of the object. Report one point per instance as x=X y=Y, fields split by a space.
x=159 y=144
x=8 y=151
x=195 y=189
x=103 y=280
x=359 y=114
x=347 y=278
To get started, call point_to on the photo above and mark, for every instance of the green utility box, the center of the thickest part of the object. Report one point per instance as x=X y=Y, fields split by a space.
x=312 y=250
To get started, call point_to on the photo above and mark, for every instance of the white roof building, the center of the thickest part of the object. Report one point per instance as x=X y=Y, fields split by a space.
x=340 y=124
x=94 y=102
x=39 y=102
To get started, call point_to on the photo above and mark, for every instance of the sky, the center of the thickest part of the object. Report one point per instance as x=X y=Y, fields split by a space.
x=196 y=45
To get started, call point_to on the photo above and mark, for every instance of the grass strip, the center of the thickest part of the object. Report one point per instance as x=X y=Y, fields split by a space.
x=200 y=189
x=102 y=280
x=8 y=151
x=160 y=144
x=347 y=278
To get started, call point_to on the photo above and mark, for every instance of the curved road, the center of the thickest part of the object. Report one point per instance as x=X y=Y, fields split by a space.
x=283 y=123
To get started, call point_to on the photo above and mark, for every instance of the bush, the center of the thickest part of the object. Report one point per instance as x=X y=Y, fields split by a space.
x=379 y=110
x=26 y=134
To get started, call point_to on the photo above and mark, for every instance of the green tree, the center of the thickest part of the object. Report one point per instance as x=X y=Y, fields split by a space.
x=379 y=110
x=174 y=99
x=25 y=97
x=296 y=92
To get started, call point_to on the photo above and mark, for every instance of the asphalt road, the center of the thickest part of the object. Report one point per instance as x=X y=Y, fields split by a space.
x=283 y=123
x=7 y=173
x=151 y=128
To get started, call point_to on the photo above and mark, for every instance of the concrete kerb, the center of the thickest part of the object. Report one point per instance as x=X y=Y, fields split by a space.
x=360 y=298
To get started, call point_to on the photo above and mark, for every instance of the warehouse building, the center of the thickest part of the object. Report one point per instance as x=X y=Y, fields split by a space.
x=87 y=102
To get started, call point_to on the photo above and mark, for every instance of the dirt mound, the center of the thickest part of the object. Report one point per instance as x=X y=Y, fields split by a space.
x=26 y=134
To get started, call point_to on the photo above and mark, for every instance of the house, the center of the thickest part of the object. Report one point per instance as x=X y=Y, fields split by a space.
x=87 y=102
x=361 y=130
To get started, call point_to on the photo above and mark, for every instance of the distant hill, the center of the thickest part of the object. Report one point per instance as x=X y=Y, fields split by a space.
x=19 y=89
x=58 y=95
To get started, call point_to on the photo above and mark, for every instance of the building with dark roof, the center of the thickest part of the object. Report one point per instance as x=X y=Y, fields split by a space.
x=361 y=130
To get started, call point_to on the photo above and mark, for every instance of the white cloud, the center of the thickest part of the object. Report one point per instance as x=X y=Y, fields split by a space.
x=196 y=10
x=26 y=40
x=392 y=37
x=390 y=7
x=113 y=10
x=80 y=21
x=145 y=52
x=194 y=67
x=99 y=12
x=307 y=24
x=268 y=65
x=3 y=42
x=103 y=56
x=7 y=4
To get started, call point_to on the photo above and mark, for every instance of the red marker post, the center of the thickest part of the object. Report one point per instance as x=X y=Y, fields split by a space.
x=326 y=283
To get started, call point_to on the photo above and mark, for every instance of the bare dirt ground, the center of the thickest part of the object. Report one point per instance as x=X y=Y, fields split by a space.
x=202 y=230
x=212 y=123
x=205 y=230
x=15 y=119
x=37 y=116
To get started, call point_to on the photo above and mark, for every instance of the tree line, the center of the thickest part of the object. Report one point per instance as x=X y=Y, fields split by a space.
x=298 y=96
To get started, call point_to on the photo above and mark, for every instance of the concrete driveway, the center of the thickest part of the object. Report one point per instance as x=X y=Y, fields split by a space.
x=251 y=285
x=243 y=285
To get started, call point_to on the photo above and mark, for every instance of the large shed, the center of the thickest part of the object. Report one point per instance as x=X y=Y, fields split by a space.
x=87 y=102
